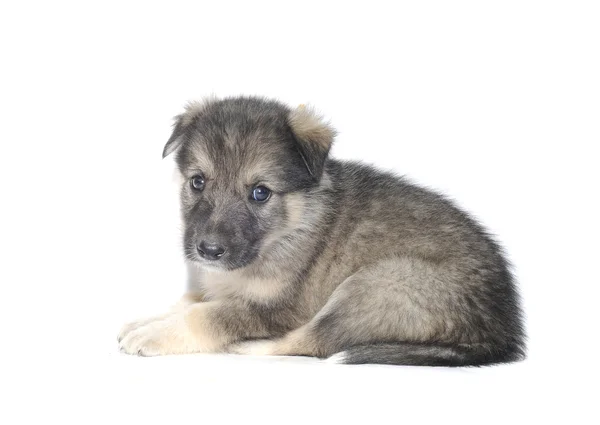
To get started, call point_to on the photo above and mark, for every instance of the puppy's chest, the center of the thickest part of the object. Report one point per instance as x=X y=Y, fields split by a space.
x=222 y=285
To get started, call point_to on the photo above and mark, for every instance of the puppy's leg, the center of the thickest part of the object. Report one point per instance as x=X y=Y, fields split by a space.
x=204 y=327
x=402 y=299
x=185 y=301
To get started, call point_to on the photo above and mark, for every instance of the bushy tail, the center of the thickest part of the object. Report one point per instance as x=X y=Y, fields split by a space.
x=429 y=355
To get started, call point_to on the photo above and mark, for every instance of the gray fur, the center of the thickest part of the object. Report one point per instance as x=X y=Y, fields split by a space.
x=343 y=257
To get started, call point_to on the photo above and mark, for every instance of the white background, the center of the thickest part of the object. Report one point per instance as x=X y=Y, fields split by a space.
x=495 y=103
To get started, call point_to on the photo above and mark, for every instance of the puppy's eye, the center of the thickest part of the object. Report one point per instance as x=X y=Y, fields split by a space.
x=197 y=182
x=261 y=194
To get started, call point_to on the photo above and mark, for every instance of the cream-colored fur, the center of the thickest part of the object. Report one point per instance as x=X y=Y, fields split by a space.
x=185 y=301
x=186 y=330
x=220 y=285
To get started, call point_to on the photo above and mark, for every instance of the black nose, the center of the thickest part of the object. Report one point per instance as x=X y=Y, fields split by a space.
x=210 y=250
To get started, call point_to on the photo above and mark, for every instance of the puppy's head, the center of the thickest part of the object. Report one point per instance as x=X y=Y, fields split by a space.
x=247 y=163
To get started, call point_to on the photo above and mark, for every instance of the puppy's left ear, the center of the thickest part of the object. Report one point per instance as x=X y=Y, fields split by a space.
x=314 y=138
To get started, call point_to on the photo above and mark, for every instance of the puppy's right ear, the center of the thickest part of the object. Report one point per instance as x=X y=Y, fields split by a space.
x=183 y=123
x=176 y=139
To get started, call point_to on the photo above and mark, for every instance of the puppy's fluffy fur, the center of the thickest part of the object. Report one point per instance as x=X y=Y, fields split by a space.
x=340 y=259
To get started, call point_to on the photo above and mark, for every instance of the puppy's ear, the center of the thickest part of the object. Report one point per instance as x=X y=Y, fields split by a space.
x=176 y=139
x=183 y=123
x=314 y=138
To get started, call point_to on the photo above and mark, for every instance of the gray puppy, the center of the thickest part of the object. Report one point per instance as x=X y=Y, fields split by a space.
x=293 y=253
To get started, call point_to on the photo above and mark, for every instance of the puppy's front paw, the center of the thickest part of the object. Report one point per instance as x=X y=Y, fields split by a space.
x=131 y=326
x=167 y=336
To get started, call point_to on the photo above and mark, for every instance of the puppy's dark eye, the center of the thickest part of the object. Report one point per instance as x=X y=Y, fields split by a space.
x=197 y=182
x=260 y=194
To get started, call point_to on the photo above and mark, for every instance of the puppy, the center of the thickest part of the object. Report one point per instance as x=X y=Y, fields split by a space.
x=291 y=252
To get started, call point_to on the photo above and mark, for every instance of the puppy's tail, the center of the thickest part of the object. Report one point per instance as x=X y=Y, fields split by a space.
x=429 y=355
